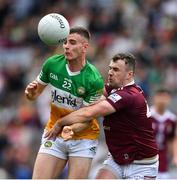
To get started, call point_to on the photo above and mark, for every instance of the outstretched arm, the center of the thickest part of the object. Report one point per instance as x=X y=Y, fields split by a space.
x=84 y=114
x=69 y=130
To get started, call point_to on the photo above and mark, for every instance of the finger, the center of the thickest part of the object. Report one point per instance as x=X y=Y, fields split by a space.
x=29 y=89
x=35 y=81
x=47 y=134
x=67 y=136
x=71 y=133
x=67 y=128
x=64 y=135
x=65 y=132
x=32 y=86
x=50 y=136
x=26 y=91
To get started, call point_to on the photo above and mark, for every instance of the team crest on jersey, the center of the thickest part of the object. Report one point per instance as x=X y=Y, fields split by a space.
x=48 y=144
x=81 y=90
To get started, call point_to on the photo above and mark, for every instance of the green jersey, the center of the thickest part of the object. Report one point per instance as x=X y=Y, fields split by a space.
x=71 y=90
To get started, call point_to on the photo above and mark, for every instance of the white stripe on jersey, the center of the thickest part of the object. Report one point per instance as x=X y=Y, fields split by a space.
x=41 y=82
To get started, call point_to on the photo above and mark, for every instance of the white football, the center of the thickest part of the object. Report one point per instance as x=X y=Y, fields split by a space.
x=53 y=29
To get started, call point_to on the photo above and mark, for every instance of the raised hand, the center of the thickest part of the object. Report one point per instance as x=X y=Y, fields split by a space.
x=53 y=133
x=31 y=90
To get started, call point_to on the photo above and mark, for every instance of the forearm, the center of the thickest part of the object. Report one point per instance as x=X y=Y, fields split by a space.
x=79 y=116
x=77 y=127
x=82 y=115
x=86 y=114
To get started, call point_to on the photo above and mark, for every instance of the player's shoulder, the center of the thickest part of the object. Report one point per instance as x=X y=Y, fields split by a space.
x=131 y=90
x=56 y=58
x=90 y=68
x=131 y=94
x=167 y=115
x=171 y=115
x=121 y=90
x=92 y=74
x=54 y=61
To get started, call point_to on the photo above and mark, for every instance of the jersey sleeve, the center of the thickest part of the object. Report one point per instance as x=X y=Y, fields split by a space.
x=119 y=100
x=95 y=92
x=43 y=75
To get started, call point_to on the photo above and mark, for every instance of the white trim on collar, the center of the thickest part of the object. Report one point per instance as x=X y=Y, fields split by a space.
x=70 y=72
x=131 y=83
x=120 y=88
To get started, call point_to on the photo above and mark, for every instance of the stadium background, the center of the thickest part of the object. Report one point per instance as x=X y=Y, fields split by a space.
x=146 y=28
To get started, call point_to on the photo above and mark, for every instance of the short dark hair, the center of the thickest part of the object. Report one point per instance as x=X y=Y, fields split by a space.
x=129 y=59
x=81 y=31
x=162 y=90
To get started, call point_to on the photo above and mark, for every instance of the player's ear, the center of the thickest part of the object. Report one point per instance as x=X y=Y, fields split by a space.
x=130 y=74
x=85 y=46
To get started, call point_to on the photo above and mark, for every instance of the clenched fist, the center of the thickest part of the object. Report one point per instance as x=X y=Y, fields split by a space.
x=67 y=133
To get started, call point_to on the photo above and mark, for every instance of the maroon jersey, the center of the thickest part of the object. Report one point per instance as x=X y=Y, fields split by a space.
x=164 y=127
x=128 y=131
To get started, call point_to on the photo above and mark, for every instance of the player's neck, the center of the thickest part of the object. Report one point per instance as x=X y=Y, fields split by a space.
x=128 y=82
x=76 y=65
x=159 y=110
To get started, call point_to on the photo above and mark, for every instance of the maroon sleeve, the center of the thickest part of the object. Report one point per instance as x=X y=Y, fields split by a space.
x=119 y=100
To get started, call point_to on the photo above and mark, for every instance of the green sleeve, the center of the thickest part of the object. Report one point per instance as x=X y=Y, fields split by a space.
x=43 y=75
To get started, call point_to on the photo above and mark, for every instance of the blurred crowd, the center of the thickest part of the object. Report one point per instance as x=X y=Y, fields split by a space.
x=146 y=28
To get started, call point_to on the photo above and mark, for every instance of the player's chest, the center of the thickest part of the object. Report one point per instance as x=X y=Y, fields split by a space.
x=76 y=85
